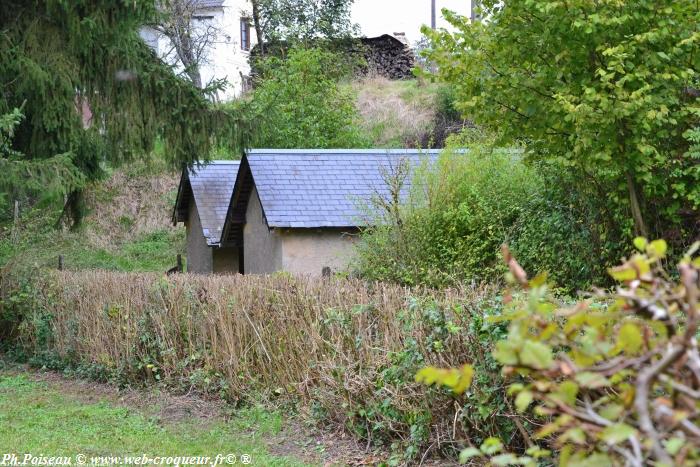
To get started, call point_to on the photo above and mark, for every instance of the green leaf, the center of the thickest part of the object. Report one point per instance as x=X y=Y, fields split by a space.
x=504 y=353
x=575 y=435
x=630 y=338
x=657 y=248
x=458 y=380
x=612 y=411
x=536 y=355
x=592 y=380
x=617 y=433
x=537 y=452
x=640 y=243
x=467 y=454
x=491 y=446
x=505 y=459
x=522 y=402
x=674 y=445
x=566 y=392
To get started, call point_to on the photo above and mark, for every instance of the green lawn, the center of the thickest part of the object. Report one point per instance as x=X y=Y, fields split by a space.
x=37 y=418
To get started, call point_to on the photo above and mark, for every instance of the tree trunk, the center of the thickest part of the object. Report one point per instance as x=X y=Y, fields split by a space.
x=640 y=227
x=73 y=210
x=258 y=26
x=185 y=50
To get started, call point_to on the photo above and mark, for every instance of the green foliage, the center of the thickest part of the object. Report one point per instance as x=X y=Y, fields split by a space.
x=611 y=379
x=40 y=244
x=560 y=229
x=25 y=179
x=355 y=364
x=376 y=416
x=606 y=90
x=303 y=20
x=455 y=222
x=299 y=103
x=64 y=63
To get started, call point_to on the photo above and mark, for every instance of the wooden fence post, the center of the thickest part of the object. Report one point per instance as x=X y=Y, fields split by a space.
x=15 y=223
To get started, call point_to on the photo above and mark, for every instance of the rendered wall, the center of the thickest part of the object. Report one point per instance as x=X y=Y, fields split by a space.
x=224 y=57
x=262 y=247
x=225 y=260
x=298 y=251
x=199 y=255
x=308 y=251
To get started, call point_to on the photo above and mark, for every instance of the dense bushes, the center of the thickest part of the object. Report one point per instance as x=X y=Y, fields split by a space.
x=298 y=103
x=609 y=98
x=344 y=350
x=460 y=212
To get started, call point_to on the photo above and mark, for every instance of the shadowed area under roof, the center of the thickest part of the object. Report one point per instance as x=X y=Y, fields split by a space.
x=211 y=185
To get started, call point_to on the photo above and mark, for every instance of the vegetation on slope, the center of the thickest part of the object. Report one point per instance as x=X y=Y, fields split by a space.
x=127 y=227
x=406 y=114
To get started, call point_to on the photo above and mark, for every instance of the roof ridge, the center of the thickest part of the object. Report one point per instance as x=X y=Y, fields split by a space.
x=343 y=151
x=210 y=163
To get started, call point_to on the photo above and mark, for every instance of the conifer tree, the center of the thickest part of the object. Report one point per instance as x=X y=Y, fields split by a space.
x=91 y=94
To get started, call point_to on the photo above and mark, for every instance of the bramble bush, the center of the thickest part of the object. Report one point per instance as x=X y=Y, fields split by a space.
x=614 y=379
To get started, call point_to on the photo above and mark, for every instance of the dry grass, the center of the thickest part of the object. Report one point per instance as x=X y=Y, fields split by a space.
x=332 y=344
x=395 y=113
x=127 y=206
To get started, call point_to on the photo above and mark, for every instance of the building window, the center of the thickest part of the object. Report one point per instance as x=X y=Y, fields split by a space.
x=245 y=34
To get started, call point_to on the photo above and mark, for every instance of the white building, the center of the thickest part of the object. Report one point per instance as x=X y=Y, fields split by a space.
x=377 y=17
x=227 y=56
x=230 y=35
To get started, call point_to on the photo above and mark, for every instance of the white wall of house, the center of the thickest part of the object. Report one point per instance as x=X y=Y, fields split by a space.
x=227 y=57
x=377 y=17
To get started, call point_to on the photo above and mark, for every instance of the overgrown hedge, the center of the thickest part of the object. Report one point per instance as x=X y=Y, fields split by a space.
x=341 y=350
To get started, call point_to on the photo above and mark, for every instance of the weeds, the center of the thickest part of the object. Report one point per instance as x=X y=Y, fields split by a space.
x=342 y=350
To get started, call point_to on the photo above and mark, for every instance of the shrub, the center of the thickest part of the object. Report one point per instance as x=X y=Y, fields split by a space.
x=342 y=350
x=612 y=380
x=464 y=206
x=298 y=103
x=460 y=211
x=560 y=229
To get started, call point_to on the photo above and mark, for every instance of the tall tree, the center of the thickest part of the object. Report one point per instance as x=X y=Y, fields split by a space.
x=93 y=92
x=190 y=33
x=302 y=20
x=601 y=88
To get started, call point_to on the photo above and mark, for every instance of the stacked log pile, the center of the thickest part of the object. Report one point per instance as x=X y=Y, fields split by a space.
x=388 y=57
x=384 y=55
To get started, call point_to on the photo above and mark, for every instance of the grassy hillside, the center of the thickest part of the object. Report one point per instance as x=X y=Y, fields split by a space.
x=404 y=114
x=127 y=227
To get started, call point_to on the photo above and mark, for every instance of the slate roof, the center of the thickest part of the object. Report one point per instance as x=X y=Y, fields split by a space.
x=325 y=188
x=212 y=186
x=209 y=3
